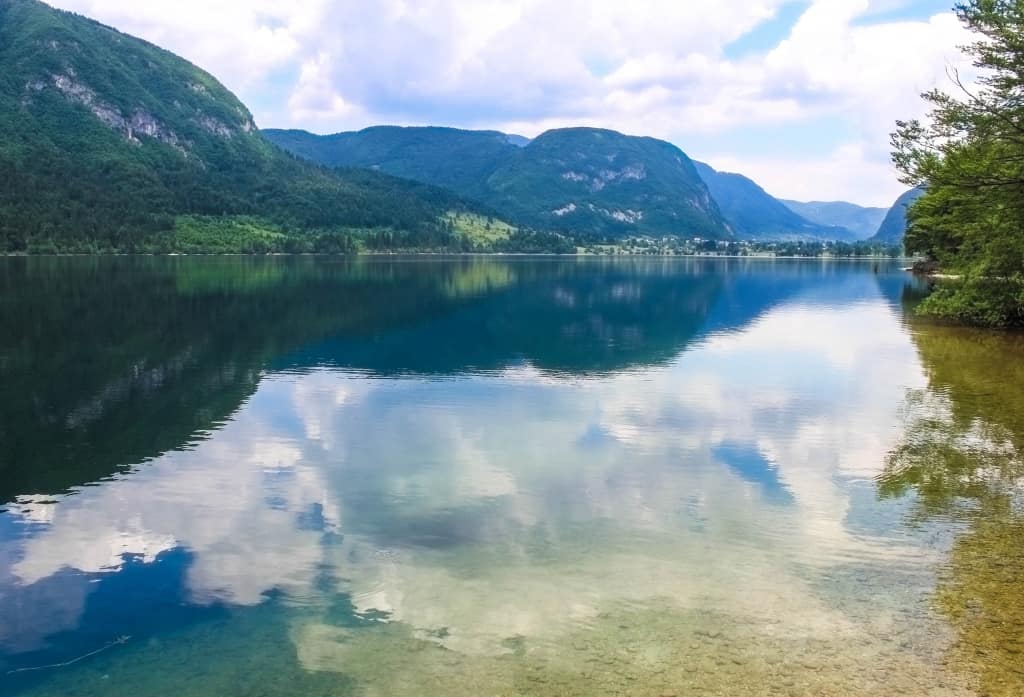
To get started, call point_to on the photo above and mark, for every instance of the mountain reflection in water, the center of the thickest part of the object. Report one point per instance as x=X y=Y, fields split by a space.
x=481 y=476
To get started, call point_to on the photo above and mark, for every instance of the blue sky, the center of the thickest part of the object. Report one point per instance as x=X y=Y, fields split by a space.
x=799 y=95
x=767 y=34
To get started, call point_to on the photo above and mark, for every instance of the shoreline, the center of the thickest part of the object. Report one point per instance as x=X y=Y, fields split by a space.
x=386 y=255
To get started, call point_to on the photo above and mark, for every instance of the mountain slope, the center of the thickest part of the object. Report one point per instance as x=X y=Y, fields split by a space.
x=453 y=158
x=894 y=226
x=757 y=215
x=601 y=182
x=586 y=181
x=108 y=140
x=862 y=221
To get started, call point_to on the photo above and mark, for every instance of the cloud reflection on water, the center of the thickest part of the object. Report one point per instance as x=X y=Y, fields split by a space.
x=485 y=506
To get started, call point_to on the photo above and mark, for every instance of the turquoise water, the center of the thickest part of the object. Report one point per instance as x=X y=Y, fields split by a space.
x=497 y=477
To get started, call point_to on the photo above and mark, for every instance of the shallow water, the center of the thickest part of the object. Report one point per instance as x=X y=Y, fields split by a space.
x=500 y=477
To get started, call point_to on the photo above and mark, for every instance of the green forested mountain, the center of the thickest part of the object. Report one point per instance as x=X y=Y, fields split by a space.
x=756 y=215
x=599 y=182
x=894 y=225
x=453 y=158
x=862 y=221
x=106 y=141
x=536 y=182
x=586 y=181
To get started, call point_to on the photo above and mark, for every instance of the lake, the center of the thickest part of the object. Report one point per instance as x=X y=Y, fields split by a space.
x=489 y=476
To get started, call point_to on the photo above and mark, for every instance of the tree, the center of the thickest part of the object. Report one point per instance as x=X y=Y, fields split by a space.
x=969 y=154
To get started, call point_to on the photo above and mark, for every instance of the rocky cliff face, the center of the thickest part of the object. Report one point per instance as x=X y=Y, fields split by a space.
x=131 y=126
x=141 y=92
x=138 y=122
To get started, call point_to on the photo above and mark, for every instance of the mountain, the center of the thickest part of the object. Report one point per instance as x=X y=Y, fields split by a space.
x=449 y=157
x=894 y=226
x=156 y=387
x=109 y=142
x=585 y=181
x=861 y=221
x=595 y=181
x=756 y=215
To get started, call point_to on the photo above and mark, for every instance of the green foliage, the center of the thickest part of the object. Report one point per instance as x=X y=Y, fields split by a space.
x=194 y=234
x=481 y=230
x=970 y=156
x=986 y=302
x=455 y=232
x=529 y=241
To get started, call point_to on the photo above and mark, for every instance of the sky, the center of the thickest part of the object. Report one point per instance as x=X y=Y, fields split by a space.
x=799 y=95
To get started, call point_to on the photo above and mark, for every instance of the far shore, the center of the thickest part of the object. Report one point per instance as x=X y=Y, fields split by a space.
x=391 y=255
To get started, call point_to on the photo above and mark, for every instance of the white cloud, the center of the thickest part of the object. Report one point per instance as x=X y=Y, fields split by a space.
x=644 y=67
x=239 y=41
x=872 y=74
x=314 y=98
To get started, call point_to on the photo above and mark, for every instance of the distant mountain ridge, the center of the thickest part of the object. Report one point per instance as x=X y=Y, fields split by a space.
x=449 y=157
x=861 y=221
x=756 y=215
x=587 y=181
x=584 y=181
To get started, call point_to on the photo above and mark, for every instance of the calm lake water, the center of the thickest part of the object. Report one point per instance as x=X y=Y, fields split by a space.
x=503 y=477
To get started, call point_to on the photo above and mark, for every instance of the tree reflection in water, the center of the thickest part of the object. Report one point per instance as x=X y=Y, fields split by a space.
x=962 y=455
